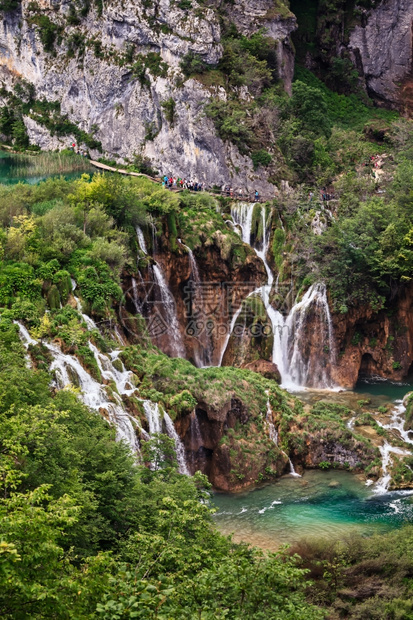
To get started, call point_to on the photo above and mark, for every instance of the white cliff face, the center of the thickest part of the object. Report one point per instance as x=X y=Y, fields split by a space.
x=99 y=93
x=382 y=48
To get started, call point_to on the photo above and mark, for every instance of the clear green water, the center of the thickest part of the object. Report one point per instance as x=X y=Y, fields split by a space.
x=321 y=504
x=20 y=169
x=391 y=390
x=318 y=505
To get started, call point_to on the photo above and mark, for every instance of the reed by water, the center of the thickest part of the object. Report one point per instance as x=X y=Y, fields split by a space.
x=47 y=164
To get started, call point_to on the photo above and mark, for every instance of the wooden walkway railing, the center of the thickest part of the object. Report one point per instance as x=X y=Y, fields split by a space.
x=235 y=196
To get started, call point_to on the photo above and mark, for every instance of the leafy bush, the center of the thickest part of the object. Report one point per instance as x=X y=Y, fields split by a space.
x=261 y=158
x=47 y=30
x=192 y=63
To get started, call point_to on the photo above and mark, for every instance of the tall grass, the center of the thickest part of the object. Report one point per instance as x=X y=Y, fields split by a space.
x=47 y=163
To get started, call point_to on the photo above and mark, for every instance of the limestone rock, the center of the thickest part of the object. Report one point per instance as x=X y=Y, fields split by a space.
x=102 y=96
x=266 y=369
x=382 y=48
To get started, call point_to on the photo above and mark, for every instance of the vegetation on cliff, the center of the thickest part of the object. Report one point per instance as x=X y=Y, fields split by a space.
x=88 y=533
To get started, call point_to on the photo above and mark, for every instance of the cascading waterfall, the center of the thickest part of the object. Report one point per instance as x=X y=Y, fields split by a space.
x=136 y=302
x=274 y=437
x=90 y=323
x=68 y=371
x=155 y=422
x=271 y=428
x=141 y=239
x=295 y=367
x=26 y=339
x=194 y=267
x=179 y=447
x=302 y=371
x=119 y=336
x=204 y=356
x=168 y=303
x=242 y=215
x=396 y=423
x=153 y=417
x=196 y=436
x=382 y=485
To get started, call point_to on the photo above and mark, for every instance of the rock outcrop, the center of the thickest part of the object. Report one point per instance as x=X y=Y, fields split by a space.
x=203 y=309
x=100 y=91
x=231 y=462
x=375 y=343
x=382 y=51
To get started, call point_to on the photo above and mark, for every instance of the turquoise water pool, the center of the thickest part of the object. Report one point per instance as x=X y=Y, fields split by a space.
x=318 y=505
x=391 y=390
x=321 y=504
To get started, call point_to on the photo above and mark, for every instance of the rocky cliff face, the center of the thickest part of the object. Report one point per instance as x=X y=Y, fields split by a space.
x=89 y=74
x=381 y=48
x=374 y=37
x=232 y=460
x=203 y=306
x=375 y=343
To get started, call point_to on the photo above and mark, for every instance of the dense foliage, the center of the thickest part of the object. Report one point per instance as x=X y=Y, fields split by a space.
x=87 y=533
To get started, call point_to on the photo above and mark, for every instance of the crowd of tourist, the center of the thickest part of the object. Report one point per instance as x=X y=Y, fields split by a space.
x=179 y=183
x=175 y=183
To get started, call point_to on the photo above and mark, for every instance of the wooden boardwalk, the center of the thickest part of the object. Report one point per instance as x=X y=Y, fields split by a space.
x=177 y=190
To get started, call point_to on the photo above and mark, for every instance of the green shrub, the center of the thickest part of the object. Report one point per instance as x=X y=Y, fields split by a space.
x=47 y=30
x=193 y=63
x=261 y=158
x=169 y=107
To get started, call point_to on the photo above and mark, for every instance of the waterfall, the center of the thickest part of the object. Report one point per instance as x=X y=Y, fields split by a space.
x=242 y=215
x=179 y=447
x=297 y=368
x=121 y=378
x=274 y=437
x=26 y=339
x=136 y=302
x=195 y=431
x=302 y=371
x=228 y=336
x=141 y=239
x=154 y=417
x=194 y=267
x=292 y=470
x=167 y=299
x=90 y=323
x=396 y=423
x=204 y=357
x=271 y=428
x=168 y=302
x=382 y=485
x=350 y=423
x=69 y=369
x=119 y=336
